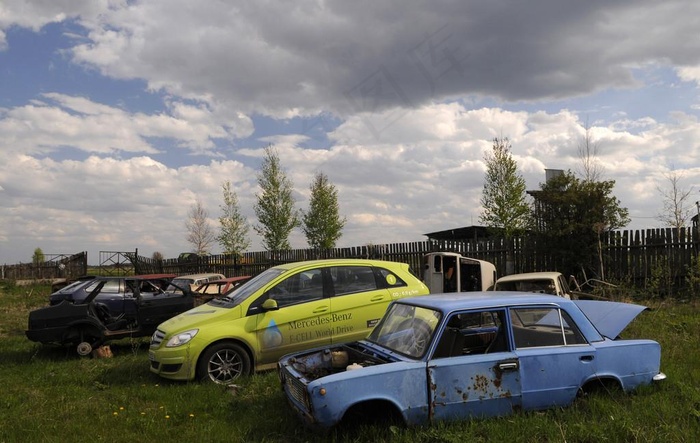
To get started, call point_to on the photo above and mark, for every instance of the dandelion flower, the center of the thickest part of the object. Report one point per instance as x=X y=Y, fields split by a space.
x=167 y=417
x=115 y=413
x=191 y=415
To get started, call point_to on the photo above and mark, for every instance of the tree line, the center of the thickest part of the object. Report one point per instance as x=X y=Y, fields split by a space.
x=567 y=217
x=275 y=209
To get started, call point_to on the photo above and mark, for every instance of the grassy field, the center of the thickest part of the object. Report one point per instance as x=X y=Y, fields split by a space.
x=51 y=394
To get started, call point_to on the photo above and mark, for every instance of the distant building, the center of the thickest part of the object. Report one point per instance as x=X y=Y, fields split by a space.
x=467 y=233
x=537 y=202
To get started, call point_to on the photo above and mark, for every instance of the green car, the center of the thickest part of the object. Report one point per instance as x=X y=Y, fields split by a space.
x=284 y=309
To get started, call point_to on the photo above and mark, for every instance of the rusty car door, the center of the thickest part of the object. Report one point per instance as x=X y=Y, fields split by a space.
x=479 y=385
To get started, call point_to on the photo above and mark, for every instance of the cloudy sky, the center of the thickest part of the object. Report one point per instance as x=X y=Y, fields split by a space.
x=115 y=115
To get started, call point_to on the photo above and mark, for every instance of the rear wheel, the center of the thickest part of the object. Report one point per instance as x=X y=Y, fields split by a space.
x=84 y=348
x=84 y=338
x=223 y=363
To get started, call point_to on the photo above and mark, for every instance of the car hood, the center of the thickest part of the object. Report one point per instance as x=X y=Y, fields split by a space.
x=195 y=317
x=609 y=318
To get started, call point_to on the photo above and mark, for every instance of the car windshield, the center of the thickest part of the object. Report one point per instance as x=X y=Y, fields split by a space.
x=406 y=329
x=248 y=288
x=542 y=286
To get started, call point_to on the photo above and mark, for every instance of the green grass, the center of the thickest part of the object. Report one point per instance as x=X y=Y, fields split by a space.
x=51 y=394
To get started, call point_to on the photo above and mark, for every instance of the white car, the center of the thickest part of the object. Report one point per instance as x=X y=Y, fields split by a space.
x=552 y=283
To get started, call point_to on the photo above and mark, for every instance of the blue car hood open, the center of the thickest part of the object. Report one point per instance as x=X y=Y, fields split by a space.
x=610 y=318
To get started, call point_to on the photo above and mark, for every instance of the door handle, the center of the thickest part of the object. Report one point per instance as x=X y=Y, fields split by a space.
x=586 y=358
x=320 y=309
x=508 y=366
x=377 y=298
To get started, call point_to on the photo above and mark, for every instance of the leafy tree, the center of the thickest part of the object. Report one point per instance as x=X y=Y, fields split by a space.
x=38 y=257
x=233 y=236
x=199 y=232
x=503 y=198
x=570 y=215
x=322 y=224
x=275 y=204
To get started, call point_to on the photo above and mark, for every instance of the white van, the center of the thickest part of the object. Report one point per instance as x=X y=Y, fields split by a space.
x=450 y=272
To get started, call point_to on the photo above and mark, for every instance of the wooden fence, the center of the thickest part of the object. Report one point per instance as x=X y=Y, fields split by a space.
x=55 y=266
x=659 y=259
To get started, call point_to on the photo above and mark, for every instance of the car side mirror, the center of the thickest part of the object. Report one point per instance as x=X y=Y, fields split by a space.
x=270 y=305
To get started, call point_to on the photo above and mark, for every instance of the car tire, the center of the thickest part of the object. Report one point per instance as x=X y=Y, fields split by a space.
x=84 y=348
x=83 y=334
x=223 y=363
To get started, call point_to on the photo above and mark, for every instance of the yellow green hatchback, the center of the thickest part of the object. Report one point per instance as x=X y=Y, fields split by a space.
x=284 y=309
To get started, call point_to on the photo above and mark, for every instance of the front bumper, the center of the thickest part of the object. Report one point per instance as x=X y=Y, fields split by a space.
x=173 y=363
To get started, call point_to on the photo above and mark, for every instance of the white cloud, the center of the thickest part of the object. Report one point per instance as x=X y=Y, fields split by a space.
x=59 y=120
x=690 y=74
x=390 y=191
x=406 y=98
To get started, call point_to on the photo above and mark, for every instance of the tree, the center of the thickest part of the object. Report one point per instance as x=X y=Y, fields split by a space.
x=591 y=170
x=675 y=201
x=322 y=223
x=275 y=204
x=570 y=216
x=233 y=236
x=38 y=257
x=503 y=197
x=199 y=231
x=157 y=256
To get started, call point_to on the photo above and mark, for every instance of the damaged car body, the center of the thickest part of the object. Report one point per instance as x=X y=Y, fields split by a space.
x=450 y=357
x=104 y=315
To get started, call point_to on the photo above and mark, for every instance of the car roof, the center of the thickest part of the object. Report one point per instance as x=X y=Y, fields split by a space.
x=530 y=276
x=227 y=280
x=479 y=300
x=338 y=261
x=136 y=277
x=151 y=276
x=197 y=276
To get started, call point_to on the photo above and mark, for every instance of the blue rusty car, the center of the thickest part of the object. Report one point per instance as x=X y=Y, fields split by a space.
x=448 y=357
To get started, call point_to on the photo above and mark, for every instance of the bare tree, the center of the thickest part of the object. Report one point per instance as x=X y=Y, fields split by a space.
x=676 y=201
x=199 y=232
x=588 y=151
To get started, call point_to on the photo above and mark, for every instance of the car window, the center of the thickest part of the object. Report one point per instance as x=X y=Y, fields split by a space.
x=71 y=287
x=110 y=286
x=392 y=280
x=302 y=287
x=473 y=332
x=352 y=279
x=564 y=285
x=535 y=327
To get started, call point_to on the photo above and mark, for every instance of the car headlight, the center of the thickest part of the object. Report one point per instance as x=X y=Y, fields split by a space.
x=181 y=338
